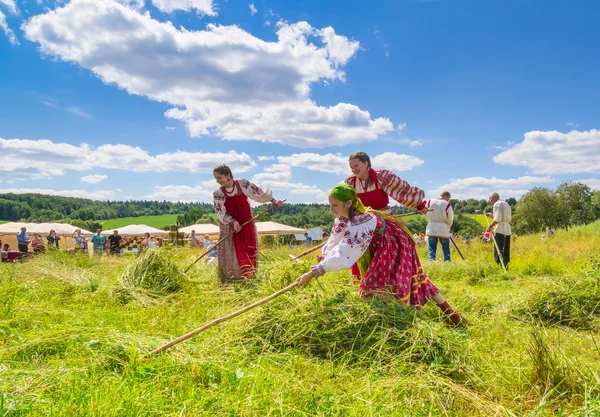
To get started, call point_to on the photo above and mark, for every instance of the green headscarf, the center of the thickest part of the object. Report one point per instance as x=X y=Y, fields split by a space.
x=345 y=192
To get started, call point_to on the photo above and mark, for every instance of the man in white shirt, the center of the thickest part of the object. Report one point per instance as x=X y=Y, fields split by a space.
x=440 y=220
x=501 y=215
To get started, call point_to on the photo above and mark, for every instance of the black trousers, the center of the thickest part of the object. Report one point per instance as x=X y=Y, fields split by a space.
x=22 y=248
x=503 y=242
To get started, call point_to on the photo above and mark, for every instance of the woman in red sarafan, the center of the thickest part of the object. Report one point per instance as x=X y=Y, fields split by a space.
x=237 y=255
x=375 y=188
x=383 y=251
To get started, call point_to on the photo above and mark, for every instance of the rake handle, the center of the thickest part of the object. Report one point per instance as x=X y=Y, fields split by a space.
x=221 y=320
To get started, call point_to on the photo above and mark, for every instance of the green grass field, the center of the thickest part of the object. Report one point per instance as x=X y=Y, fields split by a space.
x=74 y=331
x=158 y=222
x=3 y=221
x=480 y=219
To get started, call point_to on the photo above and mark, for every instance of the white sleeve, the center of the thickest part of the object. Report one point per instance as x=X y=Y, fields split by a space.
x=497 y=211
x=337 y=233
x=449 y=216
x=254 y=192
x=355 y=242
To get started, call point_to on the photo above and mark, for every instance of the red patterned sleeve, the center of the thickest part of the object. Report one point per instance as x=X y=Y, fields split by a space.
x=400 y=190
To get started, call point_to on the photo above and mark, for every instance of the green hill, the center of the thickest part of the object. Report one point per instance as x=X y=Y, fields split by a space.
x=160 y=222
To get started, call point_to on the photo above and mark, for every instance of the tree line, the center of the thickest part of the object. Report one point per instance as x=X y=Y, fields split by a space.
x=572 y=203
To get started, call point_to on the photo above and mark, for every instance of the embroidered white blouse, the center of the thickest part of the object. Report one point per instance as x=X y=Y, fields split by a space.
x=347 y=243
x=251 y=190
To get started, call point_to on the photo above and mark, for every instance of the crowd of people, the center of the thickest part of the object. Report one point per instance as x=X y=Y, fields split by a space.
x=366 y=237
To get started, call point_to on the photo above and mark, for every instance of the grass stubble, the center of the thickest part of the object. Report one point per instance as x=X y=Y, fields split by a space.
x=73 y=331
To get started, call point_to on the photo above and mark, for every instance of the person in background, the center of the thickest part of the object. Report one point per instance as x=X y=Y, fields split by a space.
x=53 y=239
x=307 y=239
x=37 y=243
x=98 y=243
x=468 y=239
x=114 y=243
x=194 y=240
x=4 y=252
x=440 y=220
x=206 y=242
x=501 y=215
x=550 y=233
x=80 y=241
x=23 y=241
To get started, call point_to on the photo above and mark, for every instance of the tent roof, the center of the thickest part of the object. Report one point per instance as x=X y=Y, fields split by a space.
x=201 y=229
x=63 y=229
x=274 y=228
x=135 y=230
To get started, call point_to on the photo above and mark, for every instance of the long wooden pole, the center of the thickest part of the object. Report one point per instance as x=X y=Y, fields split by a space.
x=221 y=320
x=412 y=213
x=306 y=252
x=458 y=250
x=500 y=254
x=229 y=235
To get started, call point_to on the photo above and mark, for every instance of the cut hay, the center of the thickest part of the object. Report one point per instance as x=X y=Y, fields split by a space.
x=153 y=275
x=347 y=329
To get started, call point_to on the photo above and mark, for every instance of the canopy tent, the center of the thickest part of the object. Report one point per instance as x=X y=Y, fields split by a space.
x=9 y=232
x=316 y=233
x=201 y=229
x=274 y=228
x=136 y=230
x=62 y=229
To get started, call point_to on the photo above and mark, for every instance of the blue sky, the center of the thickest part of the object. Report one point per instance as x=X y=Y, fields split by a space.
x=140 y=99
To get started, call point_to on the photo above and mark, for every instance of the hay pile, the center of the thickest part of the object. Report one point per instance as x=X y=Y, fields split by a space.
x=347 y=329
x=153 y=275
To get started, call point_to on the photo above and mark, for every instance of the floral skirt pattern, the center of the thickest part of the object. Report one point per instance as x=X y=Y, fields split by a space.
x=395 y=268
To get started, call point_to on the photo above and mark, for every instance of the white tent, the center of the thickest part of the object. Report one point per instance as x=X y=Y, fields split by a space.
x=136 y=230
x=316 y=233
x=201 y=229
x=62 y=229
x=274 y=228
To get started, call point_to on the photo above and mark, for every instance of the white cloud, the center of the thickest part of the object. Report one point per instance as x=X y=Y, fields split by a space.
x=297 y=188
x=94 y=195
x=170 y=127
x=334 y=164
x=338 y=164
x=572 y=124
x=10 y=5
x=401 y=127
x=396 y=162
x=38 y=159
x=78 y=112
x=136 y=4
x=266 y=158
x=203 y=7
x=9 y=33
x=481 y=187
x=252 y=9
x=220 y=81
x=93 y=179
x=414 y=143
x=554 y=152
x=277 y=172
x=183 y=193
x=212 y=183
x=593 y=183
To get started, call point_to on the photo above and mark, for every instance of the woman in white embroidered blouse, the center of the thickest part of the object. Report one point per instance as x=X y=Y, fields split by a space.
x=237 y=256
x=384 y=252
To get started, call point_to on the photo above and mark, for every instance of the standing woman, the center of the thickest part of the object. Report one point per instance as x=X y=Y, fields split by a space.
x=374 y=188
x=384 y=252
x=237 y=256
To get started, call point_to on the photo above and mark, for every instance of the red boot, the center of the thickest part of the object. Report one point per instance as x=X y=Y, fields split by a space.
x=452 y=316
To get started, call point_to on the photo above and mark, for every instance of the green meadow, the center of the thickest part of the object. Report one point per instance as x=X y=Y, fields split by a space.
x=74 y=332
